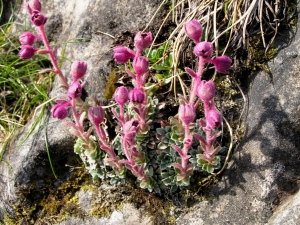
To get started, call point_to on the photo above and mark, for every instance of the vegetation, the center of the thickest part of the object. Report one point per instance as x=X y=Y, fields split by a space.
x=22 y=89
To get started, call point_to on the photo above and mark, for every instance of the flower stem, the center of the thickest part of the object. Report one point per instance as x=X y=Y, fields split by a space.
x=57 y=70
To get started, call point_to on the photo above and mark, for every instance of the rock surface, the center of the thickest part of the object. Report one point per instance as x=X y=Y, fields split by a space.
x=262 y=179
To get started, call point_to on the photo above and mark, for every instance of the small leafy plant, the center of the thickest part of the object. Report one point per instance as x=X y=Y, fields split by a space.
x=159 y=157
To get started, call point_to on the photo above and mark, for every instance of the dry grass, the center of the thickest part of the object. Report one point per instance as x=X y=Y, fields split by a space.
x=231 y=25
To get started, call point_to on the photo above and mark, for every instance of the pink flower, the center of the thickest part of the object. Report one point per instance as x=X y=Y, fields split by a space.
x=121 y=95
x=187 y=113
x=130 y=129
x=38 y=19
x=96 y=115
x=27 y=38
x=27 y=52
x=140 y=65
x=142 y=40
x=204 y=49
x=136 y=95
x=75 y=90
x=206 y=90
x=59 y=111
x=123 y=54
x=78 y=69
x=222 y=64
x=35 y=5
x=213 y=119
x=193 y=29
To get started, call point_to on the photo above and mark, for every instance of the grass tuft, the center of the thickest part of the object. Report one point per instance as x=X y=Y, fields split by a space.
x=22 y=88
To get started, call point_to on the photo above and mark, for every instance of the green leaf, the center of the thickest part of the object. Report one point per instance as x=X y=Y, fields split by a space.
x=160 y=131
x=161 y=68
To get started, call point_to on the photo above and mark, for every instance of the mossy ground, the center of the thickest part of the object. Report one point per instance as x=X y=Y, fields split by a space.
x=65 y=200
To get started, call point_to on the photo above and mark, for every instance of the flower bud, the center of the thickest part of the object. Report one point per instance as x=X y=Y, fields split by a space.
x=121 y=95
x=213 y=119
x=142 y=40
x=75 y=90
x=193 y=29
x=140 y=65
x=136 y=95
x=96 y=115
x=35 y=5
x=27 y=38
x=222 y=64
x=204 y=49
x=130 y=129
x=27 y=52
x=206 y=90
x=187 y=113
x=123 y=54
x=59 y=111
x=78 y=69
x=38 y=19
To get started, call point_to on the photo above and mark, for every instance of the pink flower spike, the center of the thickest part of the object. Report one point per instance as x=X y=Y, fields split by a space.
x=222 y=64
x=38 y=19
x=187 y=113
x=123 y=54
x=75 y=90
x=213 y=119
x=193 y=29
x=96 y=115
x=27 y=52
x=78 y=69
x=142 y=40
x=27 y=38
x=204 y=49
x=136 y=95
x=190 y=72
x=140 y=65
x=121 y=95
x=206 y=90
x=35 y=5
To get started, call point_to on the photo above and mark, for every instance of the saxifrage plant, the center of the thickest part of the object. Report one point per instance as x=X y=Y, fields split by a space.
x=182 y=145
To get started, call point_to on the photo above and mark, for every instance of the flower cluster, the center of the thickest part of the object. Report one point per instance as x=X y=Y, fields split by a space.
x=205 y=90
x=136 y=99
x=181 y=146
x=27 y=51
x=34 y=8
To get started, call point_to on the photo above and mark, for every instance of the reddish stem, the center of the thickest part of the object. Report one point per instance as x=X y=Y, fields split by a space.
x=41 y=31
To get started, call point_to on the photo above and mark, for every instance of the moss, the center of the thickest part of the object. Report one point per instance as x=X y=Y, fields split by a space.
x=258 y=58
x=110 y=84
x=63 y=201
x=56 y=205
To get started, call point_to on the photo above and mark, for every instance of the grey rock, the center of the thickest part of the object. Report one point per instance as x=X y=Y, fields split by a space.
x=127 y=216
x=28 y=167
x=288 y=212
